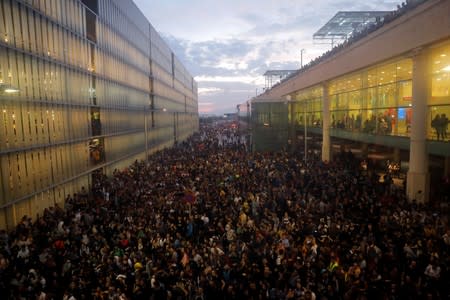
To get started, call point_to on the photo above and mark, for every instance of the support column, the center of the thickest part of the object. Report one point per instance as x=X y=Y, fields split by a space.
x=418 y=178
x=326 y=145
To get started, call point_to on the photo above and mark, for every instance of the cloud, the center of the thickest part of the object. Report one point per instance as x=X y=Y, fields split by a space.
x=228 y=45
x=229 y=71
x=226 y=79
x=209 y=90
x=233 y=56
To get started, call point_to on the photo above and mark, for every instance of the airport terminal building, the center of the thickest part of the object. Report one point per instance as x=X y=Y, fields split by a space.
x=86 y=87
x=387 y=86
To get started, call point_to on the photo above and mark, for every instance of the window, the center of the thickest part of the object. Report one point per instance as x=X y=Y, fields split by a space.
x=91 y=19
x=92 y=5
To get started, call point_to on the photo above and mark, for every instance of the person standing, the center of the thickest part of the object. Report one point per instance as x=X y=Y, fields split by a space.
x=435 y=123
x=443 y=124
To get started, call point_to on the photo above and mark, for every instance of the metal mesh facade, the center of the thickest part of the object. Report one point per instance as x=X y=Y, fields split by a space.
x=95 y=88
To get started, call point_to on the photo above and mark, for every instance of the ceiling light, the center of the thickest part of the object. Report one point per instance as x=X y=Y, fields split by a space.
x=11 y=90
x=7 y=88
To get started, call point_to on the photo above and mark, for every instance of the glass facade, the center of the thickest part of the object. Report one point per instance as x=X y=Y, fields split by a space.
x=376 y=100
x=309 y=101
x=85 y=87
x=270 y=127
x=439 y=103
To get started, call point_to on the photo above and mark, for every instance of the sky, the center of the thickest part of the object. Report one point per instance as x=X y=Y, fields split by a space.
x=228 y=45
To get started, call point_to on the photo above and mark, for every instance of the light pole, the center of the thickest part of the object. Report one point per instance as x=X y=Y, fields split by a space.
x=301 y=57
x=305 y=133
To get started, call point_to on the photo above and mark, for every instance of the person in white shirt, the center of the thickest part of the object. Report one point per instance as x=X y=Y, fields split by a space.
x=433 y=271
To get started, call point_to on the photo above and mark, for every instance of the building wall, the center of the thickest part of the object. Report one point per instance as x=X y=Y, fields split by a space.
x=385 y=89
x=97 y=89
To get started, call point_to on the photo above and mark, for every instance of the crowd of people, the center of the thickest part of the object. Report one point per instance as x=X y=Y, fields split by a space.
x=209 y=220
x=375 y=124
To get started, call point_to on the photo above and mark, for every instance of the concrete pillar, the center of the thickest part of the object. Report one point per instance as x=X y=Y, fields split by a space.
x=418 y=178
x=326 y=145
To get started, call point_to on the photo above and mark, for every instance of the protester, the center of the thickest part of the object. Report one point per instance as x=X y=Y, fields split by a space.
x=437 y=125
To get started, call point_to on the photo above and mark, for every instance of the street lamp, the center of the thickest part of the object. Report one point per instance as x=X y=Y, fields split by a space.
x=301 y=58
x=305 y=133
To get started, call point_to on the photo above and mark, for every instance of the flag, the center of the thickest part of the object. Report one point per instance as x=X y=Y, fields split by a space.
x=189 y=197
